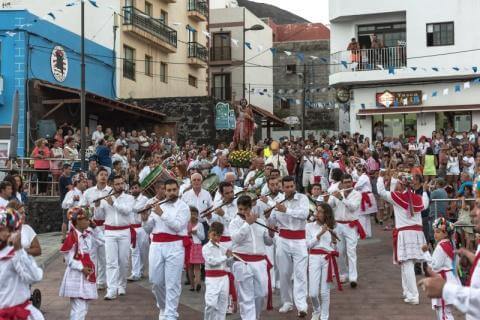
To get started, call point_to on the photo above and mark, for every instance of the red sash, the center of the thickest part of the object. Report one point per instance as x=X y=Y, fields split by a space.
x=87 y=262
x=231 y=280
x=395 y=237
x=9 y=255
x=474 y=267
x=447 y=248
x=18 y=312
x=366 y=201
x=137 y=225
x=408 y=201
x=133 y=233
x=330 y=256
x=99 y=223
x=443 y=273
x=256 y=258
x=167 y=237
x=292 y=234
x=355 y=224
x=225 y=239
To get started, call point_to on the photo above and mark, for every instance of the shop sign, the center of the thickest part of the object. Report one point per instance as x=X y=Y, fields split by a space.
x=390 y=99
x=59 y=63
x=224 y=116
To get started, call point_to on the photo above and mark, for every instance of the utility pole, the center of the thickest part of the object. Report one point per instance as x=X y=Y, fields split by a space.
x=83 y=138
x=304 y=99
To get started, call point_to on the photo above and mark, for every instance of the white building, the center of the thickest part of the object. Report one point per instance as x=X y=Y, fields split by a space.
x=420 y=79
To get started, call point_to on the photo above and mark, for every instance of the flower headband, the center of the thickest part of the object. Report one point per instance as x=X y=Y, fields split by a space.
x=443 y=224
x=10 y=219
x=75 y=213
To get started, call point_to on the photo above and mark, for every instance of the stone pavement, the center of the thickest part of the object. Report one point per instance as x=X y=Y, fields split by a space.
x=377 y=297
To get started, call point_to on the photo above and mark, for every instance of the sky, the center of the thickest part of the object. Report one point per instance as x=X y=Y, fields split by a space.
x=312 y=10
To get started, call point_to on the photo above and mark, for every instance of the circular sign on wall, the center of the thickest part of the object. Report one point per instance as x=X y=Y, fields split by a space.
x=343 y=95
x=59 y=63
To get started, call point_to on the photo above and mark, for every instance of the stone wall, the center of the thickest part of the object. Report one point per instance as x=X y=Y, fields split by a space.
x=194 y=117
x=44 y=214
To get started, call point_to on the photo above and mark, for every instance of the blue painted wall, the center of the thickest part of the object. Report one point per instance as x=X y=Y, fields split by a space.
x=26 y=44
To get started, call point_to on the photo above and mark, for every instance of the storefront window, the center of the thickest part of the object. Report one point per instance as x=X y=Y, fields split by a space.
x=394 y=125
x=459 y=121
x=410 y=125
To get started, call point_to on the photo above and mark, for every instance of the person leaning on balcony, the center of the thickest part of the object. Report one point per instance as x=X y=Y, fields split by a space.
x=42 y=166
x=354 y=47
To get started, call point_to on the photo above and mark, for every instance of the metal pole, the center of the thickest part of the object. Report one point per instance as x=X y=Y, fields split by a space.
x=249 y=90
x=303 y=98
x=83 y=139
x=244 y=59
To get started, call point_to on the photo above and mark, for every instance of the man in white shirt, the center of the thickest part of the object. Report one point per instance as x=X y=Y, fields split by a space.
x=346 y=204
x=74 y=197
x=167 y=224
x=6 y=191
x=230 y=178
x=140 y=248
x=291 y=217
x=154 y=162
x=198 y=197
x=309 y=166
x=120 y=155
x=118 y=236
x=469 y=163
x=254 y=178
x=97 y=135
x=278 y=161
x=88 y=200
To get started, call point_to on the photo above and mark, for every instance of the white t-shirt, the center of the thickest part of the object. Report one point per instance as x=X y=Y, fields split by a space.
x=470 y=170
x=27 y=235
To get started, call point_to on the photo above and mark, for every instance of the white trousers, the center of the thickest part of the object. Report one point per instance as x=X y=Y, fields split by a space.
x=251 y=283
x=292 y=258
x=140 y=253
x=366 y=223
x=448 y=313
x=216 y=297
x=35 y=314
x=98 y=257
x=409 y=282
x=165 y=274
x=117 y=249
x=347 y=249
x=317 y=280
x=79 y=309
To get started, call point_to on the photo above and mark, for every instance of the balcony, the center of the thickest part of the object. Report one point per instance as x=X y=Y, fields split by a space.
x=221 y=55
x=366 y=64
x=197 y=55
x=150 y=29
x=198 y=10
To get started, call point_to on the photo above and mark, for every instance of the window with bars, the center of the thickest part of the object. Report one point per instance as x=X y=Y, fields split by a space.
x=148 y=66
x=440 y=34
x=163 y=72
x=192 y=81
x=128 y=63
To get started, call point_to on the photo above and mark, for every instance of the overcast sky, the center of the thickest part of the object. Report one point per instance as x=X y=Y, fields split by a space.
x=312 y=10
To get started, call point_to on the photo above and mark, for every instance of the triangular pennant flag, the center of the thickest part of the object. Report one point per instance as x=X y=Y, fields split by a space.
x=416 y=99
x=475 y=69
x=434 y=93
x=260 y=48
x=363 y=105
x=265 y=90
x=190 y=28
x=206 y=33
x=51 y=15
x=273 y=50
x=344 y=63
x=445 y=92
x=457 y=88
x=476 y=80
x=379 y=66
x=235 y=42
x=405 y=102
x=10 y=33
x=300 y=56
x=413 y=68
x=391 y=70
x=466 y=85
x=435 y=69
x=71 y=4
x=388 y=103
x=313 y=57
x=288 y=53
x=93 y=3
x=395 y=103
x=456 y=68
x=425 y=97
x=324 y=59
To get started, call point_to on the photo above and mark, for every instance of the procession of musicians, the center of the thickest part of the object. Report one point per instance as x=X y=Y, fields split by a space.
x=244 y=233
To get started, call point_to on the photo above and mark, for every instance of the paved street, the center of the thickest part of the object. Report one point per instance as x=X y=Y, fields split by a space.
x=377 y=297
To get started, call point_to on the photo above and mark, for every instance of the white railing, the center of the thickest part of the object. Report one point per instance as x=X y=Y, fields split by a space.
x=368 y=59
x=31 y=182
x=434 y=206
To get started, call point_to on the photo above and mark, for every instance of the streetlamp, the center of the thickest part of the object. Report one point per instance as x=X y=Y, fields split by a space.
x=256 y=27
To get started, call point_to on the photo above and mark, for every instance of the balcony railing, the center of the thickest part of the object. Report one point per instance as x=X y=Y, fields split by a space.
x=137 y=18
x=222 y=93
x=221 y=53
x=198 y=6
x=368 y=59
x=196 y=50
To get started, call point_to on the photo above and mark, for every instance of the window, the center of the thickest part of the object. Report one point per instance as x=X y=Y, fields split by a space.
x=163 y=72
x=129 y=63
x=284 y=103
x=221 y=47
x=148 y=9
x=291 y=68
x=148 y=66
x=389 y=34
x=192 y=81
x=164 y=17
x=440 y=34
x=222 y=87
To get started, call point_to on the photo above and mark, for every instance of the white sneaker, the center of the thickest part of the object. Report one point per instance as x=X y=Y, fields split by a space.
x=343 y=279
x=122 y=291
x=161 y=314
x=411 y=301
x=286 y=308
x=133 y=278
x=316 y=316
x=110 y=296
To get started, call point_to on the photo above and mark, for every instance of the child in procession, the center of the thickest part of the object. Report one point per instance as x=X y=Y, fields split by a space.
x=195 y=259
x=321 y=263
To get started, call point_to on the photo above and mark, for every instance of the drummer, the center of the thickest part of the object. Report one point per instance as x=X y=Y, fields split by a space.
x=154 y=162
x=230 y=178
x=198 y=197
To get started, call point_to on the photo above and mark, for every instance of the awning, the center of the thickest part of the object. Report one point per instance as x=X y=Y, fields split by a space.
x=269 y=117
x=417 y=109
x=94 y=98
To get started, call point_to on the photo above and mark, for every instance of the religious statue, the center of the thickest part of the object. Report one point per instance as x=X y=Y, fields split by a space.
x=245 y=127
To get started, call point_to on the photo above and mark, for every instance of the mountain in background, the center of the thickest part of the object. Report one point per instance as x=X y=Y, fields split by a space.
x=263 y=10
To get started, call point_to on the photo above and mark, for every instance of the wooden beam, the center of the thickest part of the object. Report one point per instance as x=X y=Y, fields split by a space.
x=52 y=110
x=139 y=114
x=57 y=101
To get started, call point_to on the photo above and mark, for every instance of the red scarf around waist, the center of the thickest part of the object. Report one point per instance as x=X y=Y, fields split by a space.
x=99 y=223
x=292 y=234
x=395 y=237
x=366 y=201
x=231 y=280
x=331 y=257
x=256 y=258
x=86 y=261
x=474 y=268
x=18 y=312
x=133 y=233
x=443 y=274
x=355 y=224
x=167 y=237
